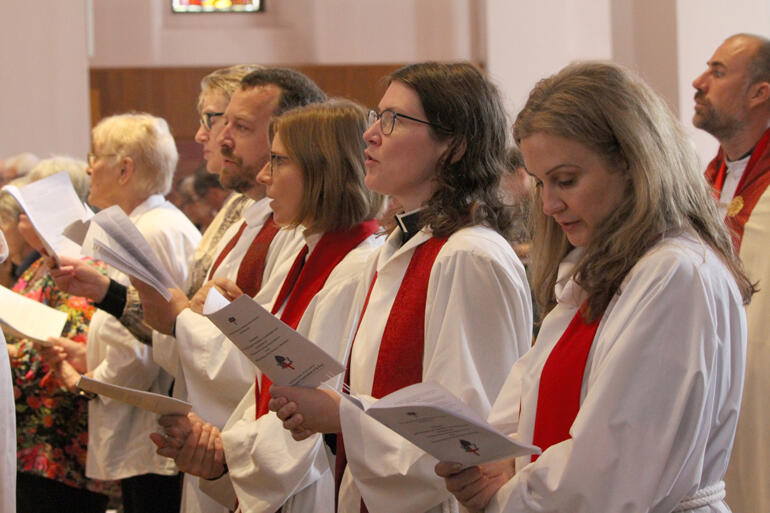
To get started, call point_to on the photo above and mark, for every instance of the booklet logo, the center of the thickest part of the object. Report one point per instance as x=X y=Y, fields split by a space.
x=469 y=447
x=284 y=362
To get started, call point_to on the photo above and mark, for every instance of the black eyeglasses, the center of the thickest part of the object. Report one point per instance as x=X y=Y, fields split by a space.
x=276 y=161
x=388 y=120
x=208 y=117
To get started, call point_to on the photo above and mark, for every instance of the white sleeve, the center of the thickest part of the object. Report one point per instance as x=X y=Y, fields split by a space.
x=478 y=321
x=267 y=466
x=127 y=362
x=650 y=408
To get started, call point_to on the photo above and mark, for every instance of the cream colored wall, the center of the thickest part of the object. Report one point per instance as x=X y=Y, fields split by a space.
x=146 y=33
x=44 y=104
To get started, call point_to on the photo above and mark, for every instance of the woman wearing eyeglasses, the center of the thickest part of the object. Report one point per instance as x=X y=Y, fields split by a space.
x=132 y=166
x=444 y=300
x=315 y=182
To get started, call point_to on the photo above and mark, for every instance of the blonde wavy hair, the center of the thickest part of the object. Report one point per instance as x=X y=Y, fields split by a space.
x=614 y=113
x=224 y=81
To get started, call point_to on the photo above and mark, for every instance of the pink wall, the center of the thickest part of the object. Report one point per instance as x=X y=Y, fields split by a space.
x=146 y=33
x=44 y=78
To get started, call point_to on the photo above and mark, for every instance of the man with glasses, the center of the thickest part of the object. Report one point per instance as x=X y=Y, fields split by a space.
x=252 y=254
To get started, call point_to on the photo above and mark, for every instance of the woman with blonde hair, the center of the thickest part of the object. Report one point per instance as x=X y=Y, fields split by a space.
x=316 y=184
x=633 y=386
x=131 y=166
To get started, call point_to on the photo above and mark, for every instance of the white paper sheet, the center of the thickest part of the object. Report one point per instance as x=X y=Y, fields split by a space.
x=150 y=401
x=24 y=317
x=51 y=204
x=433 y=419
x=113 y=239
x=285 y=356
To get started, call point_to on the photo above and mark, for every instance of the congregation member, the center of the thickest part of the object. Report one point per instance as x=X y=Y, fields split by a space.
x=51 y=423
x=20 y=254
x=131 y=166
x=252 y=253
x=444 y=300
x=633 y=387
x=732 y=103
x=315 y=181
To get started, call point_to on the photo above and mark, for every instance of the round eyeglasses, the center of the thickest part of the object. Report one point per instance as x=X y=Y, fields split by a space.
x=388 y=120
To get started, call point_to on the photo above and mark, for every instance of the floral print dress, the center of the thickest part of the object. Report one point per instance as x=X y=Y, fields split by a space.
x=52 y=422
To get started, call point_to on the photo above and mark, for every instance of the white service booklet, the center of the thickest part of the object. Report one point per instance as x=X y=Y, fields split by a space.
x=433 y=419
x=51 y=204
x=285 y=356
x=113 y=239
x=25 y=317
x=150 y=401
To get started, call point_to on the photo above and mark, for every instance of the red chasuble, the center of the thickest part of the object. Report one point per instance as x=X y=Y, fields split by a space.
x=755 y=179
x=399 y=362
x=558 y=398
x=253 y=264
x=305 y=280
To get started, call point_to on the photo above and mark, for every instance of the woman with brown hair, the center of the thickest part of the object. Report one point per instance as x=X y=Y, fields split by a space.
x=444 y=300
x=633 y=386
x=316 y=184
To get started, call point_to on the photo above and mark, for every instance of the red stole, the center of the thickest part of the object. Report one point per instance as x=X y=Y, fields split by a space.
x=399 y=362
x=305 y=280
x=252 y=266
x=755 y=179
x=558 y=398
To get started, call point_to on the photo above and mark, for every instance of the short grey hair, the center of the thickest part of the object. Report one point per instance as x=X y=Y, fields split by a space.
x=147 y=140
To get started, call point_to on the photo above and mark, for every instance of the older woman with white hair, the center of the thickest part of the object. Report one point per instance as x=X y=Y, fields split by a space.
x=131 y=165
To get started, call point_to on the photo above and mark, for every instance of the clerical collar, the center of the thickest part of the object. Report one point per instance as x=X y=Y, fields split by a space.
x=410 y=223
x=744 y=156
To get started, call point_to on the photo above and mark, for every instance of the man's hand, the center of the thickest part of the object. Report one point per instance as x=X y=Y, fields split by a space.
x=195 y=445
x=305 y=411
x=159 y=313
x=68 y=376
x=78 y=278
x=227 y=287
x=475 y=486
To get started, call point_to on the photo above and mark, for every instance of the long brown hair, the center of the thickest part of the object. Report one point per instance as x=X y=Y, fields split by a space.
x=611 y=111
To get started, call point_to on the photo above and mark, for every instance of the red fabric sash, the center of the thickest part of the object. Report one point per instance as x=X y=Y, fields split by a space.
x=298 y=290
x=399 y=362
x=753 y=183
x=558 y=399
x=252 y=266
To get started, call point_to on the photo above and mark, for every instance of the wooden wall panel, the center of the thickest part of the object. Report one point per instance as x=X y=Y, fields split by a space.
x=172 y=93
